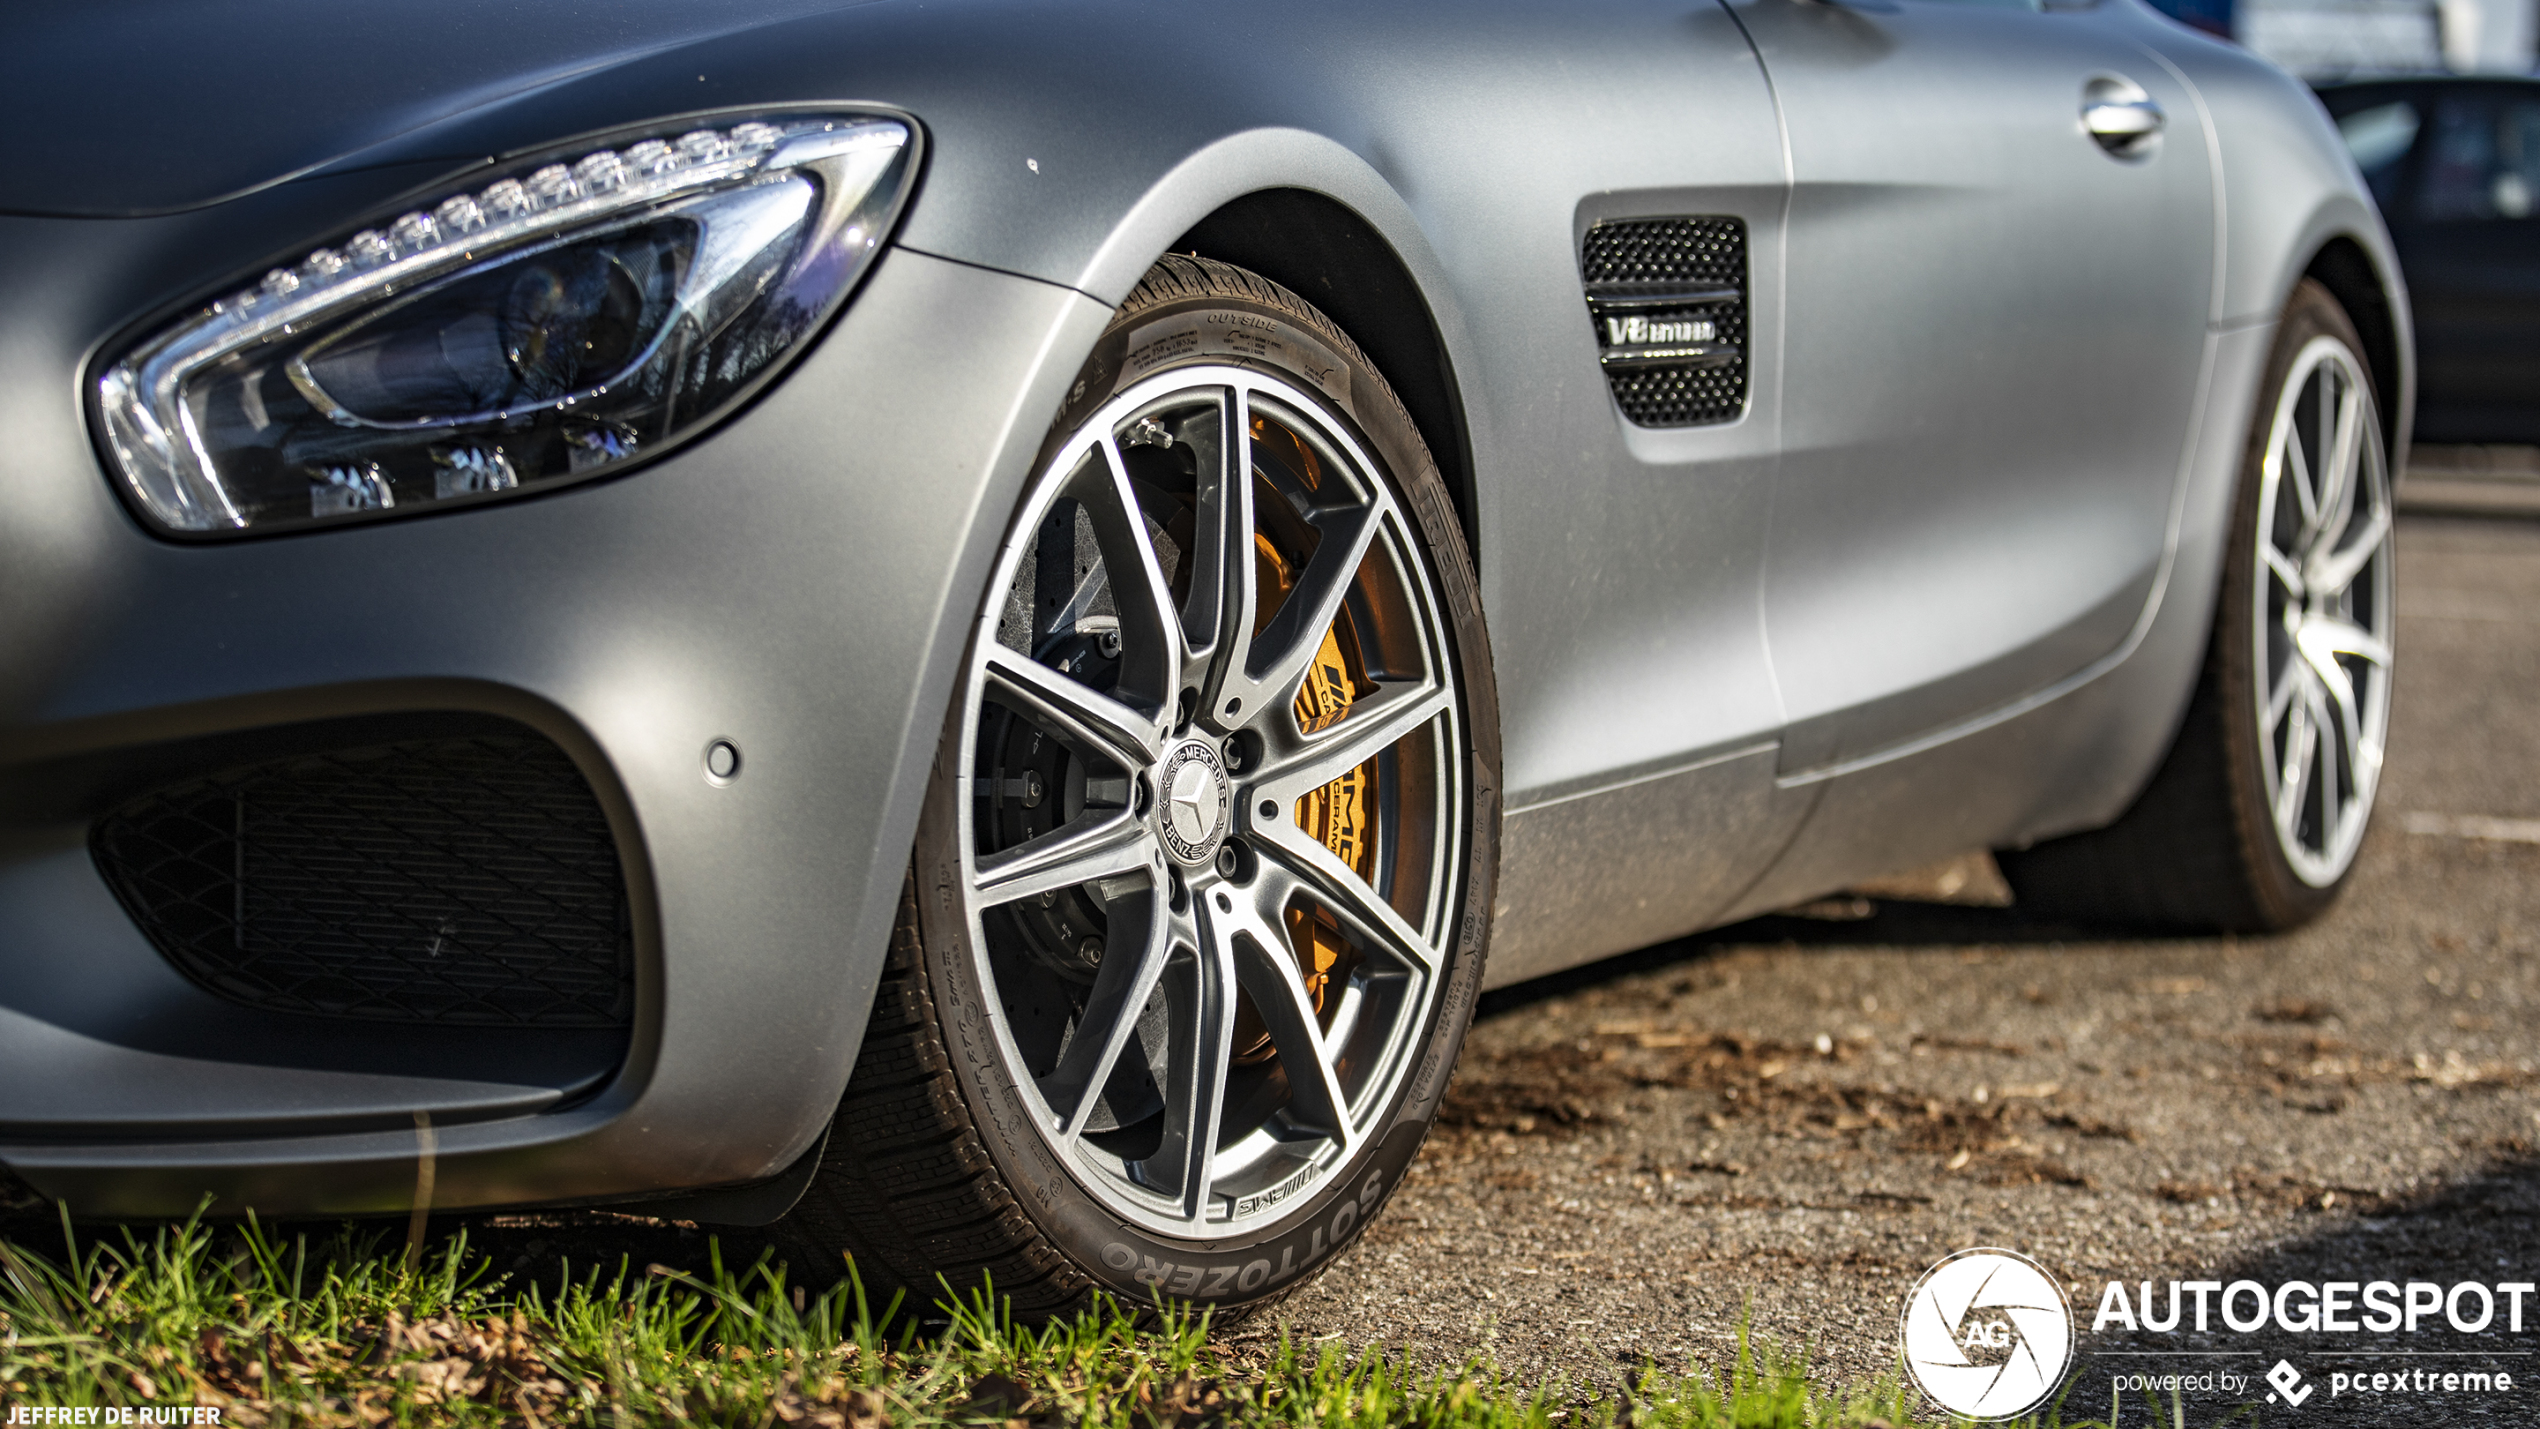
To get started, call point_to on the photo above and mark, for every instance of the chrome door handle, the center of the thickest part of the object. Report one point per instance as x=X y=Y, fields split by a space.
x=2121 y=117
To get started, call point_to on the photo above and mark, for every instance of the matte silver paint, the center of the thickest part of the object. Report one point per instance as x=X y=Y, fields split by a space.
x=1742 y=664
x=1953 y=272
x=737 y=596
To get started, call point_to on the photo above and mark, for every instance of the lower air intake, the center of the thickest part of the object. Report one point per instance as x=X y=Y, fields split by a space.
x=467 y=881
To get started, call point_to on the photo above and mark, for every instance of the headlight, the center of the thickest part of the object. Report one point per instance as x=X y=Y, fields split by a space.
x=562 y=321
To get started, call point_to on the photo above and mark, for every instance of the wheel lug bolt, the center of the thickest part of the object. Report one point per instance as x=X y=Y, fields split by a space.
x=1090 y=950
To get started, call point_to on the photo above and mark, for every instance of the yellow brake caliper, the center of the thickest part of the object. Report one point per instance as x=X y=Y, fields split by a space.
x=1341 y=814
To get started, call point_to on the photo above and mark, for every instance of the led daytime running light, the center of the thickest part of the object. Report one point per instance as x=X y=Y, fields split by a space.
x=177 y=474
x=557 y=196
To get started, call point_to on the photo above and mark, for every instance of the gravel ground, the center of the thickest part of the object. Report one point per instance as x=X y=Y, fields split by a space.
x=1792 y=1118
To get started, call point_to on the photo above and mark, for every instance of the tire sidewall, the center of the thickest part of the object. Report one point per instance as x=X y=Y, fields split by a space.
x=2284 y=898
x=1266 y=334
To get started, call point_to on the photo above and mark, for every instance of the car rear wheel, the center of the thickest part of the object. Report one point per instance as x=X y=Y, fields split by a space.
x=2254 y=820
x=1197 y=908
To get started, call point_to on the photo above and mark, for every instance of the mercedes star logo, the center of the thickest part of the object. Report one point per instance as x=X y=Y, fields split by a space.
x=1196 y=802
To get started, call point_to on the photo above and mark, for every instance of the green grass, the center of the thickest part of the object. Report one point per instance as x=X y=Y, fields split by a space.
x=350 y=1329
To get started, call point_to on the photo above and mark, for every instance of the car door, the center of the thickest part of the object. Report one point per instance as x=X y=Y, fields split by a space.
x=1620 y=549
x=1994 y=330
x=2469 y=240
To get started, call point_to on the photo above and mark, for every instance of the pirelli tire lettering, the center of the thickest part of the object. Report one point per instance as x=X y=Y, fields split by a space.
x=1216 y=1280
x=1250 y=337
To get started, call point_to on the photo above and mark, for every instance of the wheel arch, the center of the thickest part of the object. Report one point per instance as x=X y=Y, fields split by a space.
x=1309 y=213
x=2378 y=309
x=1333 y=257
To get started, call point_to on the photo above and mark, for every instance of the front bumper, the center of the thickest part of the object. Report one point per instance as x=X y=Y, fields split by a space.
x=797 y=583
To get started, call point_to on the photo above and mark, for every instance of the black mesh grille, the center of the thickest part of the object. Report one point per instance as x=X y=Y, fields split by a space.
x=465 y=880
x=1637 y=257
x=1659 y=251
x=1680 y=396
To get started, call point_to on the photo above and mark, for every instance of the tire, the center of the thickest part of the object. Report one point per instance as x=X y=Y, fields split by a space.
x=2240 y=830
x=1149 y=1028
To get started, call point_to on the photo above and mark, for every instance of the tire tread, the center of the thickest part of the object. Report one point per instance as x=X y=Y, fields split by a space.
x=905 y=1187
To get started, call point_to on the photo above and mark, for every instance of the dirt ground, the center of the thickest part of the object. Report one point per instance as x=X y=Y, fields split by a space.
x=1791 y=1119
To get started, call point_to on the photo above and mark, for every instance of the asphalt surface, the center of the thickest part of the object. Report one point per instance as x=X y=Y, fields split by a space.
x=1789 y=1120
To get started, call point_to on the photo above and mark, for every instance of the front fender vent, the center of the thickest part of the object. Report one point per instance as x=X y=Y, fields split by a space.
x=1667 y=297
x=468 y=881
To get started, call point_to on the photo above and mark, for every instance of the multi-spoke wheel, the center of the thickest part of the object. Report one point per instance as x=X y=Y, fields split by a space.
x=1199 y=896
x=2322 y=610
x=2256 y=817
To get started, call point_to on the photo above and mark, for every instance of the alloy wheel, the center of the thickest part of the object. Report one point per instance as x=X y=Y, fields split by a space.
x=2323 y=620
x=1210 y=800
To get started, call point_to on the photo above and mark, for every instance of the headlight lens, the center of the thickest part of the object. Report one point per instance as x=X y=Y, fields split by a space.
x=560 y=322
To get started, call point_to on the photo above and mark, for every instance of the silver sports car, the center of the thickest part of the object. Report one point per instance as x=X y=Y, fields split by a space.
x=967 y=629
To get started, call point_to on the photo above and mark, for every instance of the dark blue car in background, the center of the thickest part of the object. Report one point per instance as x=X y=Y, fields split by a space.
x=2455 y=165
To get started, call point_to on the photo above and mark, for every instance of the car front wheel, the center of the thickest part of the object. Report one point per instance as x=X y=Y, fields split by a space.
x=1196 y=914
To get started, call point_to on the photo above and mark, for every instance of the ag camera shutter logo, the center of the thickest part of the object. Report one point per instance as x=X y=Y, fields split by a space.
x=1988 y=1333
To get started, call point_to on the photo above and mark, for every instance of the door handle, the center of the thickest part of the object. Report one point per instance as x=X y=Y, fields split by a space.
x=2121 y=117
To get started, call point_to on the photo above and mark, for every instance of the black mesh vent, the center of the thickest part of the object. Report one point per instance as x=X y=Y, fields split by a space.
x=1628 y=267
x=1663 y=251
x=1680 y=396
x=466 y=880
